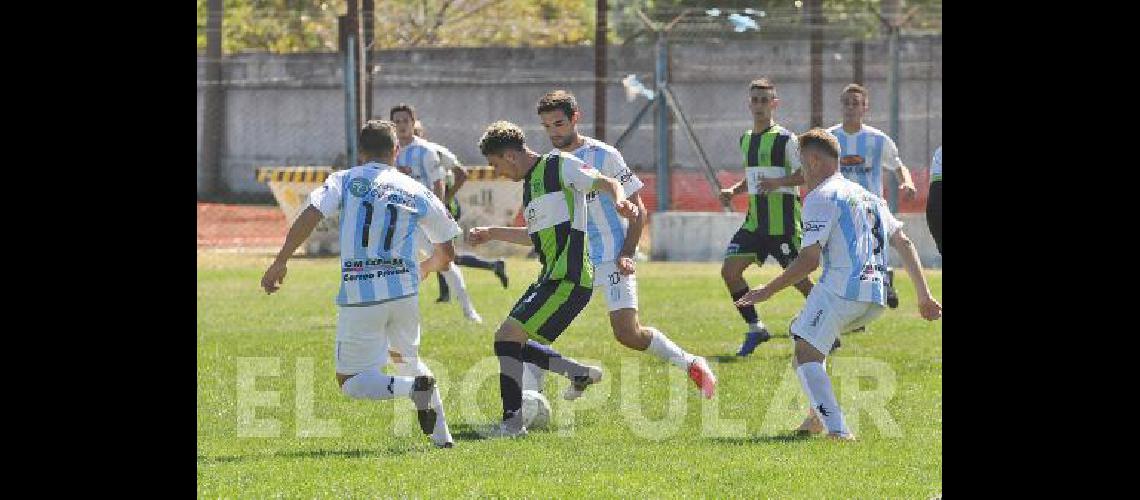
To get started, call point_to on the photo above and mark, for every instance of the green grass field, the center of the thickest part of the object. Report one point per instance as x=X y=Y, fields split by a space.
x=643 y=432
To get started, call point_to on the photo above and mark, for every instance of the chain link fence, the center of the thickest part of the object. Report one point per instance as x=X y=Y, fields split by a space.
x=287 y=110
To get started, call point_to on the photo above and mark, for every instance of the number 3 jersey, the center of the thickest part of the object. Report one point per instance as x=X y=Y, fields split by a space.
x=380 y=209
x=853 y=227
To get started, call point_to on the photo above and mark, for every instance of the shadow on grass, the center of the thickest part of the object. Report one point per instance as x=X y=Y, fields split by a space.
x=779 y=438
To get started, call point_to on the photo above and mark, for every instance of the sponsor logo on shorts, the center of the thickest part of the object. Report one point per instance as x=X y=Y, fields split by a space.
x=733 y=248
x=813 y=225
x=785 y=248
x=615 y=278
x=531 y=214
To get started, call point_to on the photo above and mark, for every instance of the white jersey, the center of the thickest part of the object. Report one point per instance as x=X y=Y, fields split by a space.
x=936 y=165
x=380 y=210
x=420 y=160
x=864 y=154
x=853 y=226
x=606 y=229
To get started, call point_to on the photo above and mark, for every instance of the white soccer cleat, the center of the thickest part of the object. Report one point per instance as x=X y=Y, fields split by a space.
x=703 y=376
x=470 y=314
x=841 y=437
x=581 y=382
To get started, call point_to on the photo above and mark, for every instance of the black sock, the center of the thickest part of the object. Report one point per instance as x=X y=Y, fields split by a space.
x=545 y=357
x=747 y=312
x=473 y=261
x=443 y=291
x=510 y=376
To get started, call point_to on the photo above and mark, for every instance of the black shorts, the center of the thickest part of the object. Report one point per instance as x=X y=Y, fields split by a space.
x=934 y=213
x=758 y=246
x=548 y=307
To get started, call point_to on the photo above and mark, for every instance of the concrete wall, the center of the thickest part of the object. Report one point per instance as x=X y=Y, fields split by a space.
x=703 y=236
x=287 y=109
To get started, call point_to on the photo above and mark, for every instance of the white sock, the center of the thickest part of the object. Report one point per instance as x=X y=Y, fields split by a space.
x=662 y=347
x=410 y=369
x=755 y=327
x=371 y=384
x=822 y=397
x=455 y=283
x=441 y=434
x=533 y=377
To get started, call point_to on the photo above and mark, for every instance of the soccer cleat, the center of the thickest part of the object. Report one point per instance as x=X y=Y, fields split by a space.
x=421 y=396
x=753 y=339
x=469 y=313
x=811 y=425
x=834 y=346
x=509 y=428
x=501 y=272
x=448 y=444
x=579 y=383
x=841 y=437
x=443 y=298
x=703 y=376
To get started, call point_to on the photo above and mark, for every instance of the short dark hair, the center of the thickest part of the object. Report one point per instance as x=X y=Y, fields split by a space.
x=855 y=87
x=499 y=136
x=401 y=107
x=762 y=83
x=377 y=137
x=558 y=99
x=820 y=140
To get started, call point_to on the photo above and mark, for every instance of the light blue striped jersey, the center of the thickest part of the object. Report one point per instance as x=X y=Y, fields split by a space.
x=420 y=160
x=936 y=165
x=606 y=229
x=864 y=154
x=853 y=227
x=380 y=210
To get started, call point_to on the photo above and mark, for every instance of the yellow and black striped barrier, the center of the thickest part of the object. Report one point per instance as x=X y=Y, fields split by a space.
x=293 y=174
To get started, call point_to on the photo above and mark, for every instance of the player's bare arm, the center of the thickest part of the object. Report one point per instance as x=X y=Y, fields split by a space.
x=907 y=185
x=625 y=208
x=460 y=177
x=800 y=268
x=300 y=230
x=632 y=236
x=927 y=306
x=727 y=193
x=516 y=235
x=778 y=182
x=440 y=259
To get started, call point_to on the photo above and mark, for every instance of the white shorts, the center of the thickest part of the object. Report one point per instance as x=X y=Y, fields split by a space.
x=825 y=315
x=365 y=334
x=620 y=290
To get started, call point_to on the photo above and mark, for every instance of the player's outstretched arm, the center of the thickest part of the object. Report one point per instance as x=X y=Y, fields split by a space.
x=610 y=185
x=927 y=306
x=480 y=235
x=300 y=230
x=800 y=268
x=440 y=259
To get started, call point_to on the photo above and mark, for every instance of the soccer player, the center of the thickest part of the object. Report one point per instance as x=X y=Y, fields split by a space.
x=934 y=201
x=421 y=162
x=555 y=186
x=772 y=226
x=455 y=176
x=611 y=243
x=853 y=230
x=865 y=152
x=378 y=305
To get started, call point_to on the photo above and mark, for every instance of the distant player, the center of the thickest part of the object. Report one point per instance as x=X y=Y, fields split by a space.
x=455 y=175
x=865 y=152
x=772 y=226
x=853 y=230
x=421 y=161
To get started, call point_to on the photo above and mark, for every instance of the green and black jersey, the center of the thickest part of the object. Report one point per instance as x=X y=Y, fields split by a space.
x=771 y=153
x=554 y=197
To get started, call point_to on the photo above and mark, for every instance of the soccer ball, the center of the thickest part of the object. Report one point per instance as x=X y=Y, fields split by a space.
x=535 y=410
